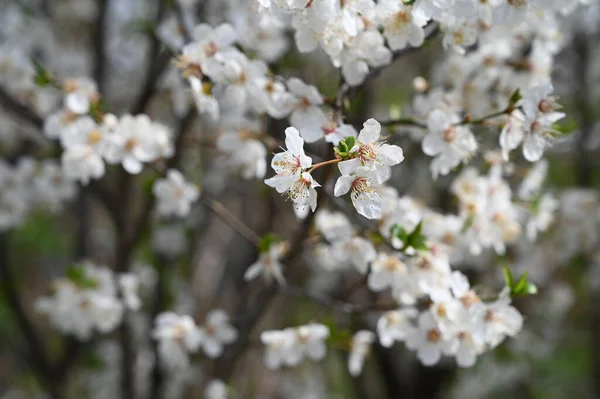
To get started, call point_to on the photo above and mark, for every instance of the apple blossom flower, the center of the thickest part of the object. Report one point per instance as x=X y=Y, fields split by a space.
x=177 y=336
x=174 y=194
x=395 y=325
x=268 y=265
x=449 y=143
x=216 y=332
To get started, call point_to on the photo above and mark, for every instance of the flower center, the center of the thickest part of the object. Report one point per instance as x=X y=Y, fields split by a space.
x=361 y=185
x=448 y=238
x=94 y=137
x=469 y=299
x=442 y=311
x=434 y=335
x=299 y=191
x=545 y=106
x=211 y=49
x=367 y=153
x=329 y=128
x=130 y=144
x=449 y=135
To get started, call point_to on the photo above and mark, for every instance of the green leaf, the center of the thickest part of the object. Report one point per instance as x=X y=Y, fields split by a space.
x=521 y=287
x=508 y=277
x=398 y=231
x=520 y=284
x=42 y=76
x=77 y=275
x=93 y=361
x=415 y=239
x=350 y=142
x=468 y=224
x=267 y=241
x=515 y=97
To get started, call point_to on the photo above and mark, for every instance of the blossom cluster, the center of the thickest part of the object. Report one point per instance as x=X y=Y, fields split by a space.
x=178 y=335
x=91 y=299
x=89 y=139
x=354 y=33
x=30 y=185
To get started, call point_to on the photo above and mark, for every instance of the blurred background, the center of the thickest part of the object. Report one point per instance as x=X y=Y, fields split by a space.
x=197 y=264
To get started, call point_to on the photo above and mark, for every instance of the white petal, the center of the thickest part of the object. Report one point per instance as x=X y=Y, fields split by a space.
x=370 y=132
x=343 y=185
x=368 y=204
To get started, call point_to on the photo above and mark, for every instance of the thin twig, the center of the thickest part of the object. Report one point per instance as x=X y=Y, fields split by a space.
x=232 y=221
x=334 y=304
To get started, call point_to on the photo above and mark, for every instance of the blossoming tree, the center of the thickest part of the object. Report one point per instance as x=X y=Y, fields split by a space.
x=405 y=206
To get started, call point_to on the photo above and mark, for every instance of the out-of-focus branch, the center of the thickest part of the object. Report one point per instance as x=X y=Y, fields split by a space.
x=36 y=353
x=232 y=221
x=584 y=175
x=334 y=304
x=581 y=155
x=99 y=43
x=127 y=241
x=9 y=103
x=157 y=63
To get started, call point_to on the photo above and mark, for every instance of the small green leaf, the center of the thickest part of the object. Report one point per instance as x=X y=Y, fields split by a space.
x=398 y=231
x=515 y=97
x=93 y=361
x=42 y=76
x=468 y=224
x=508 y=277
x=350 y=142
x=77 y=275
x=521 y=286
x=267 y=241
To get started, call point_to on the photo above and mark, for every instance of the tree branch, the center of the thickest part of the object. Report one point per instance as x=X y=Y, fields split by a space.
x=36 y=353
x=99 y=44
x=157 y=63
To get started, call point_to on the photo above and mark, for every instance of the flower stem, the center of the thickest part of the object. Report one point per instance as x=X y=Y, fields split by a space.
x=318 y=165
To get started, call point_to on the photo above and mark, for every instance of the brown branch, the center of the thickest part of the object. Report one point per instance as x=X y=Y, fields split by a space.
x=157 y=63
x=335 y=304
x=230 y=219
x=99 y=43
x=36 y=353
x=23 y=111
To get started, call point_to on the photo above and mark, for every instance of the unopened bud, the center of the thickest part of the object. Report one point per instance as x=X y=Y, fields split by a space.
x=420 y=84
